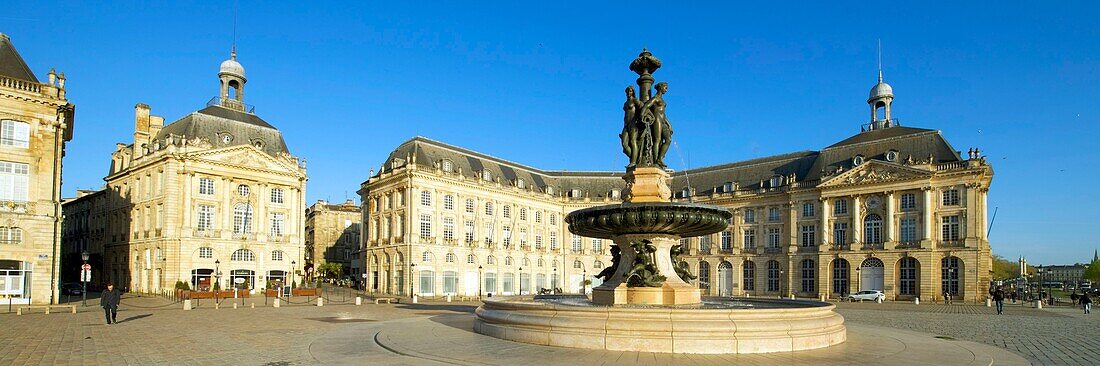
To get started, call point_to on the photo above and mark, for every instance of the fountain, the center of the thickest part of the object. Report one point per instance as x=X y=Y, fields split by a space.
x=644 y=303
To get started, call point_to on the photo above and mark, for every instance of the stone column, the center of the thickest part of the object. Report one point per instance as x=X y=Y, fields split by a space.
x=972 y=216
x=857 y=222
x=891 y=226
x=984 y=208
x=792 y=226
x=926 y=232
x=826 y=237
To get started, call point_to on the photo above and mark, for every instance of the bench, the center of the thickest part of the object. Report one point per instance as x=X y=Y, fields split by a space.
x=19 y=310
x=388 y=300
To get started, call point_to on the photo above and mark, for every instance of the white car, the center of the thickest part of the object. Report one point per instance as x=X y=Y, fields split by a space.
x=872 y=295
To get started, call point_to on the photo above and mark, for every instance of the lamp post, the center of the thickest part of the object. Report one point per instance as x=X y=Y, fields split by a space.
x=217 y=278
x=84 y=291
x=520 y=292
x=859 y=280
x=479 y=283
x=291 y=277
x=1040 y=283
x=412 y=279
x=781 y=287
x=584 y=280
x=554 y=281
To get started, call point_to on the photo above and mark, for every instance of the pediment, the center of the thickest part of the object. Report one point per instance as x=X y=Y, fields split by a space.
x=875 y=172
x=246 y=157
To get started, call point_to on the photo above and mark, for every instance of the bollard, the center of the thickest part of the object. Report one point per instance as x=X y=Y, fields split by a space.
x=448 y=298
x=878 y=300
x=234 y=305
x=415 y=298
x=916 y=301
x=215 y=306
x=988 y=303
x=358 y=300
x=320 y=301
x=822 y=298
x=1038 y=304
x=276 y=303
x=253 y=305
x=791 y=297
x=187 y=304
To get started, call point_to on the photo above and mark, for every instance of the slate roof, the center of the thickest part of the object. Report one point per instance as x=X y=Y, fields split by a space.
x=213 y=121
x=807 y=166
x=11 y=63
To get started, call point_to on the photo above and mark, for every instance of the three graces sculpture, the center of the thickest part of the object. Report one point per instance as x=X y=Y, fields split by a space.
x=646 y=131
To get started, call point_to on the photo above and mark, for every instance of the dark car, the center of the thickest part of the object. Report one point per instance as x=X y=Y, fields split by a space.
x=71 y=289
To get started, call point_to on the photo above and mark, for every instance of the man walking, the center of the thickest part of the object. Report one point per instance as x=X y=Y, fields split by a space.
x=1087 y=302
x=109 y=301
x=999 y=297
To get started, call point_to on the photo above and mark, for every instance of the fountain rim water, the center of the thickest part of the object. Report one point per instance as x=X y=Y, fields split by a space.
x=651 y=218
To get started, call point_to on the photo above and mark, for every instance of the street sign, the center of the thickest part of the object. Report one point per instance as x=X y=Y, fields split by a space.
x=86 y=275
x=86 y=267
x=238 y=280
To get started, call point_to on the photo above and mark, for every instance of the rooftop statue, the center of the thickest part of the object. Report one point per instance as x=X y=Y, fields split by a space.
x=646 y=130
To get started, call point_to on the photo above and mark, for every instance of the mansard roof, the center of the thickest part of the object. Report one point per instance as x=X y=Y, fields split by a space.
x=213 y=121
x=11 y=63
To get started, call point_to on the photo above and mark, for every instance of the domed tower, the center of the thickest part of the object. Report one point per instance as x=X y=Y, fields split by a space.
x=232 y=78
x=881 y=96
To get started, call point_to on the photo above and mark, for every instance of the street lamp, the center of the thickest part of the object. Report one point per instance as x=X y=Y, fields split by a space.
x=84 y=292
x=781 y=287
x=520 y=280
x=554 y=281
x=859 y=280
x=412 y=279
x=584 y=280
x=479 y=282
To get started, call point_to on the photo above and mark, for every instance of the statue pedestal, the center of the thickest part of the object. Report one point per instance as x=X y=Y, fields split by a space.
x=647 y=184
x=673 y=291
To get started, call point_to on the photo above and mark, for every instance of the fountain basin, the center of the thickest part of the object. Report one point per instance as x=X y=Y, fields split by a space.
x=651 y=218
x=743 y=325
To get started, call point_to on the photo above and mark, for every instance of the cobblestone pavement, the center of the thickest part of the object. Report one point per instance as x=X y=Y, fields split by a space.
x=157 y=331
x=1050 y=336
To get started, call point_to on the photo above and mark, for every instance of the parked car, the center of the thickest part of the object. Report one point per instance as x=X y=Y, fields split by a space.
x=871 y=295
x=71 y=289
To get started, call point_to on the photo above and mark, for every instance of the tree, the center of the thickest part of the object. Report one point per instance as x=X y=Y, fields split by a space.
x=1004 y=269
x=331 y=270
x=1092 y=273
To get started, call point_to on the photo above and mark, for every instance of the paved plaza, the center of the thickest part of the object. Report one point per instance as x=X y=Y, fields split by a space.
x=156 y=331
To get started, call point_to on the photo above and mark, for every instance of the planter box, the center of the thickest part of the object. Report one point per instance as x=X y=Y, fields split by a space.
x=306 y=292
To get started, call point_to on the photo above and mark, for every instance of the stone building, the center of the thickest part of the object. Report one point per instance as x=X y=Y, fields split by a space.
x=83 y=230
x=891 y=208
x=332 y=235
x=36 y=120
x=214 y=197
x=1065 y=274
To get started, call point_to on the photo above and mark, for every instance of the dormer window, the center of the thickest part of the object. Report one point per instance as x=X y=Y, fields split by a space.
x=259 y=144
x=486 y=175
x=521 y=184
x=857 y=160
x=892 y=156
x=615 y=193
x=549 y=190
x=776 y=181
x=227 y=138
x=727 y=187
x=447 y=166
x=575 y=193
x=685 y=192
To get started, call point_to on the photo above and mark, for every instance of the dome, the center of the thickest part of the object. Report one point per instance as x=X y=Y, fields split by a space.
x=880 y=90
x=232 y=67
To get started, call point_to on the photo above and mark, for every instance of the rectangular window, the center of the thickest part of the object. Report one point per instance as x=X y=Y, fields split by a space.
x=488 y=233
x=950 y=228
x=470 y=234
x=470 y=206
x=908 y=201
x=242 y=219
x=15 y=134
x=750 y=216
x=808 y=209
x=951 y=197
x=840 y=233
x=538 y=241
x=278 y=220
x=506 y=231
x=749 y=238
x=704 y=243
x=808 y=237
x=206 y=186
x=727 y=241
x=553 y=241
x=425 y=226
x=14 y=181
x=840 y=207
x=773 y=237
x=577 y=247
x=773 y=214
x=206 y=252
x=448 y=228
x=908 y=230
x=597 y=246
x=276 y=195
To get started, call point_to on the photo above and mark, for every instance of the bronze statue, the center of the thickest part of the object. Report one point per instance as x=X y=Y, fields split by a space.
x=647 y=132
x=675 y=252
x=606 y=273
x=644 y=271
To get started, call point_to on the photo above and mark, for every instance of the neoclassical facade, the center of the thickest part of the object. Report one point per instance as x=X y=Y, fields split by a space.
x=214 y=199
x=36 y=120
x=892 y=208
x=332 y=233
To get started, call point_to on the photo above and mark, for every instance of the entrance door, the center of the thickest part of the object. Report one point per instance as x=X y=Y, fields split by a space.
x=725 y=279
x=469 y=284
x=871 y=275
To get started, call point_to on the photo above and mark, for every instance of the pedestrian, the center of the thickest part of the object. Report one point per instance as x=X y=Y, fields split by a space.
x=109 y=301
x=1073 y=297
x=999 y=297
x=1014 y=295
x=1087 y=302
x=947 y=297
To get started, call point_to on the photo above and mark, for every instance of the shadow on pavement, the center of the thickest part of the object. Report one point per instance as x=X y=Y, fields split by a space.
x=135 y=317
x=439 y=307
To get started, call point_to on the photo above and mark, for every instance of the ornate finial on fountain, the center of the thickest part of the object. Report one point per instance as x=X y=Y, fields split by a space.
x=646 y=134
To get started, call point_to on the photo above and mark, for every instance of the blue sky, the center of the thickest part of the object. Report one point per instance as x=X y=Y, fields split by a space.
x=542 y=84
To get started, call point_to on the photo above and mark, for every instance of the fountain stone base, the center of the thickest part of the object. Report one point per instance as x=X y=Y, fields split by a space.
x=674 y=291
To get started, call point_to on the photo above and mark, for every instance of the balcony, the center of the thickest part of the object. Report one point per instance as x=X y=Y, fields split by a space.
x=839 y=247
x=471 y=243
x=907 y=245
x=231 y=104
x=450 y=241
x=872 y=246
x=952 y=244
x=773 y=250
x=808 y=249
x=244 y=236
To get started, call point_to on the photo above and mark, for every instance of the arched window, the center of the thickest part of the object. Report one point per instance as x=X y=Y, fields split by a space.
x=450 y=258
x=809 y=276
x=521 y=184
x=242 y=218
x=951 y=266
x=507 y=211
x=526 y=262
x=11 y=235
x=470 y=259
x=597 y=265
x=427 y=257
x=523 y=214
x=15 y=133
x=840 y=277
x=470 y=205
x=425 y=198
x=538 y=217
x=872 y=229
x=448 y=166
x=508 y=261
x=748 y=276
x=277 y=255
x=577 y=264
x=907 y=276
x=704 y=275
x=540 y=262
x=243 y=255
x=773 y=275
x=491 y=260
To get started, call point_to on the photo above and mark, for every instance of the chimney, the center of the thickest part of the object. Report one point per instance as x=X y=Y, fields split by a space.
x=141 y=128
x=155 y=124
